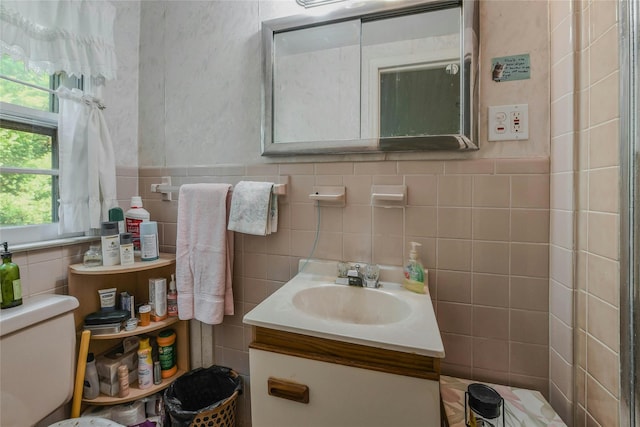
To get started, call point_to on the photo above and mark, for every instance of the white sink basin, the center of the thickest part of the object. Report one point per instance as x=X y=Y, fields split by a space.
x=351 y=304
x=390 y=317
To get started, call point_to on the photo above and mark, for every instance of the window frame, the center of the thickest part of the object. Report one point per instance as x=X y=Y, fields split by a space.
x=29 y=119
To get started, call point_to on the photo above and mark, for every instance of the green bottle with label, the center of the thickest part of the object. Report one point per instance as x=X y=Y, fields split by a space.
x=11 y=287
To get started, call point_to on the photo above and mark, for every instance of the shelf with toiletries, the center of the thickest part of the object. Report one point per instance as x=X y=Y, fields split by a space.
x=140 y=330
x=135 y=393
x=164 y=260
x=85 y=282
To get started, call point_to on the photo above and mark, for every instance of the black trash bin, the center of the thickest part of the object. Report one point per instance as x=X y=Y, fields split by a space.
x=204 y=397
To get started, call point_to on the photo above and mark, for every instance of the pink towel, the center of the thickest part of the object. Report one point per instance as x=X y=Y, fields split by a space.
x=204 y=253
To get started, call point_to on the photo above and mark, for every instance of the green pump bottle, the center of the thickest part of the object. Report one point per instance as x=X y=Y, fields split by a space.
x=11 y=289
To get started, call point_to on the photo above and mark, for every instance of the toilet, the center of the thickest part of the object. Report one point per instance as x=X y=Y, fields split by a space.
x=37 y=358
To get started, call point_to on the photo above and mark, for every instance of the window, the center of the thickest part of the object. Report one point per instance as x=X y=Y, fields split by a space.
x=28 y=152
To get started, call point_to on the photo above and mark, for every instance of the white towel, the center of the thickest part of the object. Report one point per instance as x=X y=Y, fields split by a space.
x=254 y=208
x=204 y=253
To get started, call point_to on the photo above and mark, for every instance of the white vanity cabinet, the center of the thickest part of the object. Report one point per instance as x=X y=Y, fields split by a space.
x=298 y=380
x=327 y=355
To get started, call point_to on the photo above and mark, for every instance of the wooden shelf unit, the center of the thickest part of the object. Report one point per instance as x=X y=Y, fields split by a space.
x=84 y=283
x=134 y=392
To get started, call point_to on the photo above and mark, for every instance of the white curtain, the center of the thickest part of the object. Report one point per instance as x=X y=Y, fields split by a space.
x=87 y=163
x=74 y=36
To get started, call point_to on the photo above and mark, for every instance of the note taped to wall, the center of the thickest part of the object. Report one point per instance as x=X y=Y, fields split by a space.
x=507 y=68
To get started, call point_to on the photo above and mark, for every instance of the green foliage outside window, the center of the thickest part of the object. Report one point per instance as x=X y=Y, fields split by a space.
x=26 y=198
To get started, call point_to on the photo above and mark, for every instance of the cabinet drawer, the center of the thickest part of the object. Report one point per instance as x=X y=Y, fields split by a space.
x=338 y=395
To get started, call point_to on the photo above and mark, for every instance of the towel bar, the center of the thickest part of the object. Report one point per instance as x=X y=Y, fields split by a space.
x=166 y=188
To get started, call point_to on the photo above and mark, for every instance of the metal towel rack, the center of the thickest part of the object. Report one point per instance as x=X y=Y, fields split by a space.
x=166 y=188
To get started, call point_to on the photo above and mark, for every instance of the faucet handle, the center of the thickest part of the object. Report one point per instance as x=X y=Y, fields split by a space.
x=372 y=275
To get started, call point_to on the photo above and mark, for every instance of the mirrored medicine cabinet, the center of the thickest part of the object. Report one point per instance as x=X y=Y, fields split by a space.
x=372 y=77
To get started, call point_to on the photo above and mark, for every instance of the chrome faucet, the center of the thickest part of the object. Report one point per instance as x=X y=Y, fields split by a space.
x=350 y=275
x=355 y=276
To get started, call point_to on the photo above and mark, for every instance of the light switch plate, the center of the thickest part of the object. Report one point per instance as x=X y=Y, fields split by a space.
x=509 y=122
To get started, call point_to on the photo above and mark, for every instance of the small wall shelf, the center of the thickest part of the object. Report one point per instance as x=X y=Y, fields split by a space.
x=329 y=195
x=389 y=196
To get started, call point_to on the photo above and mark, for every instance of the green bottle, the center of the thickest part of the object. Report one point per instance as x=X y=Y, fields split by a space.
x=11 y=294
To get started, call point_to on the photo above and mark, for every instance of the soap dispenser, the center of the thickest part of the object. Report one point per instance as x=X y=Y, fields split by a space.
x=415 y=278
x=11 y=288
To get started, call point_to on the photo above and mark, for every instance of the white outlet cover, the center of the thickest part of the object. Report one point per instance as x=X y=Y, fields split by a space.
x=508 y=122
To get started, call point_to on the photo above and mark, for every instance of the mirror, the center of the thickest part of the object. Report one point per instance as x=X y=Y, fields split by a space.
x=372 y=78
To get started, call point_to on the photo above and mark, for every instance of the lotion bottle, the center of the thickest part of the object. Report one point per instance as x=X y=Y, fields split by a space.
x=110 y=243
x=145 y=365
x=415 y=277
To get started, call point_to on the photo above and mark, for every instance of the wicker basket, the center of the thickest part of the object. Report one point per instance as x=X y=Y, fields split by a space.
x=215 y=390
x=221 y=416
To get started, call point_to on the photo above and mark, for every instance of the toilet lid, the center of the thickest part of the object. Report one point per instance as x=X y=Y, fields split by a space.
x=86 y=422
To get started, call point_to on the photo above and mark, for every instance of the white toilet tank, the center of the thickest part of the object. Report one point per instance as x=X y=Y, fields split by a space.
x=37 y=358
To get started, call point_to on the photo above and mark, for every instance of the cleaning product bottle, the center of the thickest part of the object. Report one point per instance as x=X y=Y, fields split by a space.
x=145 y=365
x=91 y=386
x=415 y=278
x=11 y=288
x=172 y=298
x=133 y=218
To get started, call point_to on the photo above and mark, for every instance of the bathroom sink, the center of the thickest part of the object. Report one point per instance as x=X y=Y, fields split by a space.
x=351 y=304
x=389 y=317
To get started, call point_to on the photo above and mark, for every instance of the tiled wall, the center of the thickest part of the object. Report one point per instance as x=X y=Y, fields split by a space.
x=563 y=199
x=598 y=230
x=44 y=271
x=484 y=227
x=584 y=303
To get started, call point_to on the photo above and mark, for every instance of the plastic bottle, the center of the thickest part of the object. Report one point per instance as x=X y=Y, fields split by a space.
x=10 y=285
x=172 y=298
x=133 y=218
x=157 y=373
x=116 y=215
x=149 y=241
x=91 y=388
x=167 y=352
x=110 y=243
x=126 y=249
x=414 y=273
x=145 y=315
x=145 y=365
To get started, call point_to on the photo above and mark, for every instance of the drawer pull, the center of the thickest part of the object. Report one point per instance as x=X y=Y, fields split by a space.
x=288 y=390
